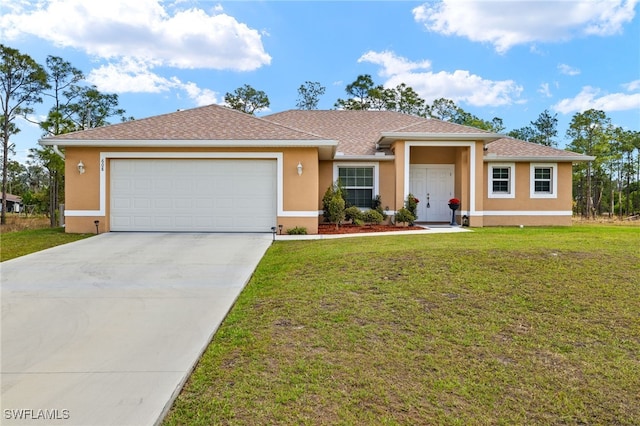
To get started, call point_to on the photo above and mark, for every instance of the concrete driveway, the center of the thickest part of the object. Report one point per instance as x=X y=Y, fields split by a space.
x=105 y=331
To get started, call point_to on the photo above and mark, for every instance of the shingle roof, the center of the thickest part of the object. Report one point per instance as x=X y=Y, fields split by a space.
x=212 y=122
x=356 y=131
x=506 y=148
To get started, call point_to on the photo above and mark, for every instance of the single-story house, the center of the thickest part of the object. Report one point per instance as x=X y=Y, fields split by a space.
x=214 y=169
x=14 y=203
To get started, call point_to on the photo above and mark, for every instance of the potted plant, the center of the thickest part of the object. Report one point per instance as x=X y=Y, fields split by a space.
x=454 y=204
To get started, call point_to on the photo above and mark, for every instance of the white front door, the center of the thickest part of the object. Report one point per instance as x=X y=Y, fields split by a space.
x=433 y=186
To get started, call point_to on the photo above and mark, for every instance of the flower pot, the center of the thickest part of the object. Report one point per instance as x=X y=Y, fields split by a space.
x=453 y=208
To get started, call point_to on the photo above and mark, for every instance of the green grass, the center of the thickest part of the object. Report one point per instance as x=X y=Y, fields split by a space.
x=20 y=243
x=498 y=326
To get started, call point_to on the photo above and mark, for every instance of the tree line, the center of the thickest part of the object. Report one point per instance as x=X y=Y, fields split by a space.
x=608 y=185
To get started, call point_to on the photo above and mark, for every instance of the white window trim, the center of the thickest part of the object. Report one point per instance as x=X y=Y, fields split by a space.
x=512 y=180
x=376 y=175
x=554 y=180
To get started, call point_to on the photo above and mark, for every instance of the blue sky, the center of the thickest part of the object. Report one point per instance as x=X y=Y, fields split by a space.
x=508 y=59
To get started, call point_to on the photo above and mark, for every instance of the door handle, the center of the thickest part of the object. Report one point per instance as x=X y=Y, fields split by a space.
x=428 y=203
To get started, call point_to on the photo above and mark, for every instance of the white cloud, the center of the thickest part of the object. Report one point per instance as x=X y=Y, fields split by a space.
x=459 y=85
x=593 y=98
x=131 y=76
x=568 y=70
x=505 y=24
x=632 y=86
x=141 y=29
x=393 y=64
x=544 y=90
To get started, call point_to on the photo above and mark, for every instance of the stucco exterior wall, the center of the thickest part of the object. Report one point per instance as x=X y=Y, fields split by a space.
x=525 y=210
x=300 y=193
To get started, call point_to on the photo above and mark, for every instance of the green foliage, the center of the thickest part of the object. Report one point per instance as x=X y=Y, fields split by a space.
x=298 y=230
x=335 y=208
x=309 y=95
x=335 y=188
x=412 y=205
x=404 y=215
x=376 y=204
x=373 y=216
x=247 y=99
x=353 y=213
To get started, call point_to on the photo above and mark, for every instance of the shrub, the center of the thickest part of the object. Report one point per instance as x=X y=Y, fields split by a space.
x=335 y=208
x=412 y=205
x=336 y=189
x=298 y=230
x=404 y=215
x=376 y=204
x=358 y=222
x=373 y=216
x=353 y=213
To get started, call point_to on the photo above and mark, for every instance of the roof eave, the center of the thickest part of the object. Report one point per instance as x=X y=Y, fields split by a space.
x=530 y=158
x=388 y=137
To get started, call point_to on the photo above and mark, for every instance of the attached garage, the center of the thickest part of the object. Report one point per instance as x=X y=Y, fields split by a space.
x=199 y=195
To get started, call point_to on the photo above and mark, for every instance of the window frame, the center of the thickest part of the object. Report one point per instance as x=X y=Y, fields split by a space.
x=554 y=180
x=511 y=180
x=363 y=165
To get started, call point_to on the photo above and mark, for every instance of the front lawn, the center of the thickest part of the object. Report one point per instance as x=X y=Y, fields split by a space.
x=19 y=243
x=496 y=326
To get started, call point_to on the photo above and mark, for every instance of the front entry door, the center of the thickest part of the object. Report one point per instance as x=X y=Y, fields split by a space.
x=433 y=186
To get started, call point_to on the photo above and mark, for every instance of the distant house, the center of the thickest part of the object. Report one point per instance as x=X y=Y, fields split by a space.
x=213 y=169
x=14 y=203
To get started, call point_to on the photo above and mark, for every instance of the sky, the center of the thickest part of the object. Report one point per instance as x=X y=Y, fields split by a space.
x=508 y=59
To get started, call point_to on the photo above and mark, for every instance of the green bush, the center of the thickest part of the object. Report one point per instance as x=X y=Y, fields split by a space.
x=373 y=216
x=412 y=205
x=404 y=215
x=298 y=230
x=376 y=204
x=336 y=189
x=335 y=208
x=353 y=213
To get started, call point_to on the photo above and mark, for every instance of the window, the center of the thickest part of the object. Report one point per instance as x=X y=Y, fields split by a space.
x=544 y=180
x=501 y=180
x=358 y=181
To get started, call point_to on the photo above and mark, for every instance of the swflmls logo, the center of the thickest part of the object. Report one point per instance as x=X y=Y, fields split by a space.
x=31 y=414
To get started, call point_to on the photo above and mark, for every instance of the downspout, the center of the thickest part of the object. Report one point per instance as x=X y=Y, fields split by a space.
x=57 y=151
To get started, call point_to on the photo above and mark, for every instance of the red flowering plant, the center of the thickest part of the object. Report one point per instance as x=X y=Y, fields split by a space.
x=454 y=201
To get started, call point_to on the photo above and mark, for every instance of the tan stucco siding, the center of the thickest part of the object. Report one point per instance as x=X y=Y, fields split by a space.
x=387 y=190
x=398 y=151
x=299 y=193
x=432 y=155
x=82 y=190
x=325 y=179
x=522 y=200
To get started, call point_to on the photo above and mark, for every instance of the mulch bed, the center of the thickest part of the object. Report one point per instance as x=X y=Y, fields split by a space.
x=330 y=229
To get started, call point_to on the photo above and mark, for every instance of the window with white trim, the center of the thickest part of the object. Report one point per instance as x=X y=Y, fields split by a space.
x=502 y=180
x=359 y=183
x=544 y=180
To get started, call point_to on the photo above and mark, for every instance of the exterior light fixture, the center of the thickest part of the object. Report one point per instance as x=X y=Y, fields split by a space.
x=273 y=231
x=299 y=167
x=81 y=167
x=280 y=228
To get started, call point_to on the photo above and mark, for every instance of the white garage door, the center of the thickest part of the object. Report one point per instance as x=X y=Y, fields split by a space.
x=193 y=195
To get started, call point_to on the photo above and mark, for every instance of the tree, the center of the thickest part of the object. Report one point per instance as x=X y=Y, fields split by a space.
x=547 y=128
x=92 y=108
x=406 y=100
x=309 y=95
x=359 y=94
x=64 y=79
x=443 y=109
x=588 y=134
x=22 y=81
x=247 y=99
